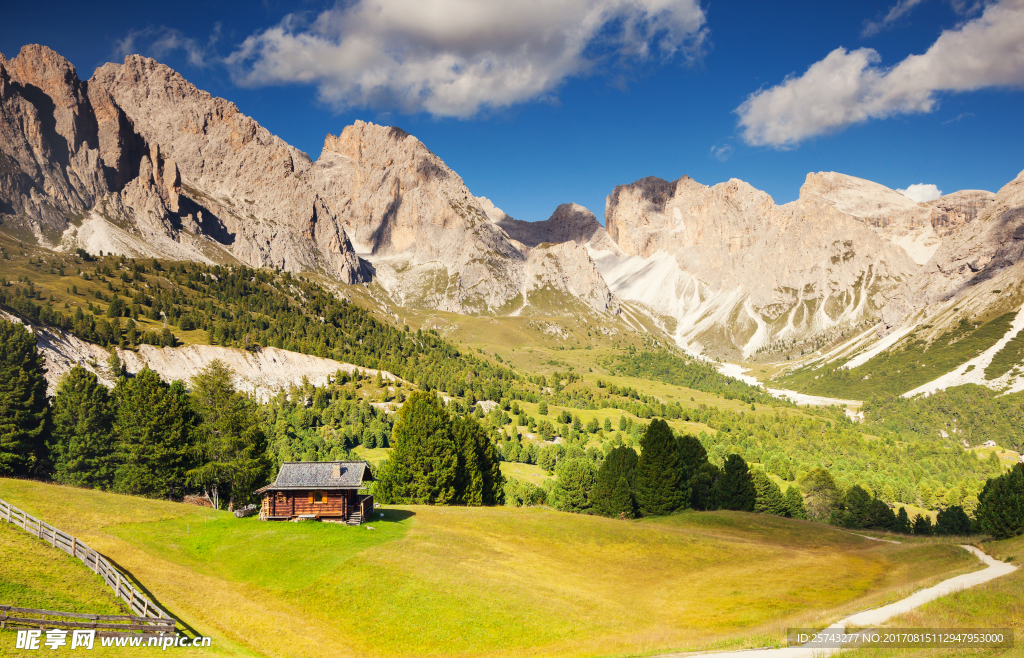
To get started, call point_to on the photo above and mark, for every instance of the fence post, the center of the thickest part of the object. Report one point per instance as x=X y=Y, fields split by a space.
x=74 y=547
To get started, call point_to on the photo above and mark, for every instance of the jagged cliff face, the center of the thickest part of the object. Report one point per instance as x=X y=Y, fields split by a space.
x=138 y=161
x=737 y=273
x=432 y=243
x=984 y=240
x=242 y=186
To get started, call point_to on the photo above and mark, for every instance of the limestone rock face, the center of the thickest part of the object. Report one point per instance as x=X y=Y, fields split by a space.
x=431 y=242
x=227 y=176
x=51 y=164
x=739 y=273
x=984 y=238
x=570 y=222
x=138 y=161
x=918 y=228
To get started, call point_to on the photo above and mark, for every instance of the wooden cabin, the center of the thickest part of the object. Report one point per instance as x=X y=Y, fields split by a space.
x=318 y=490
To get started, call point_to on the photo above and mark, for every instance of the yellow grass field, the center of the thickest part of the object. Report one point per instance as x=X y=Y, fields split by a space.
x=434 y=581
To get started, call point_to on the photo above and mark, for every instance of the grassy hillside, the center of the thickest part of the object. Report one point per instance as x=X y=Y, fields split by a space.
x=915 y=360
x=489 y=581
x=996 y=604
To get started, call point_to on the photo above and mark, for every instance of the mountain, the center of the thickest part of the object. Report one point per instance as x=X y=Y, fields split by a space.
x=138 y=161
x=733 y=274
x=432 y=244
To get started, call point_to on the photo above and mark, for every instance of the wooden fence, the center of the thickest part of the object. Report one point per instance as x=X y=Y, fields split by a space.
x=138 y=603
x=104 y=625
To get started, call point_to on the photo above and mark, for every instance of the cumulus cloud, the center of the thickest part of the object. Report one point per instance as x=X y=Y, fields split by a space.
x=849 y=87
x=897 y=11
x=921 y=192
x=456 y=57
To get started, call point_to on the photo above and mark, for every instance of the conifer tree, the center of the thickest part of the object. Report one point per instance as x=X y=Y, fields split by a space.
x=706 y=487
x=902 y=524
x=231 y=445
x=661 y=486
x=857 y=508
x=737 y=488
x=479 y=480
x=692 y=454
x=922 y=525
x=1000 y=510
x=424 y=462
x=952 y=521
x=81 y=441
x=155 y=431
x=573 y=486
x=24 y=407
x=822 y=494
x=768 y=496
x=794 y=502
x=619 y=467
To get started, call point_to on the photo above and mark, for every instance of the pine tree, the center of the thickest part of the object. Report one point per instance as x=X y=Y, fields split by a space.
x=231 y=446
x=1000 y=510
x=692 y=454
x=857 y=508
x=572 y=488
x=24 y=407
x=952 y=521
x=768 y=496
x=902 y=524
x=424 y=463
x=823 y=496
x=607 y=497
x=706 y=487
x=794 y=502
x=155 y=432
x=737 y=488
x=82 y=441
x=479 y=480
x=542 y=408
x=661 y=486
x=622 y=499
x=922 y=525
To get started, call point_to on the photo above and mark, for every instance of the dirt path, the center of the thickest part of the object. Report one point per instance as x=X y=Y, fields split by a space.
x=875 y=616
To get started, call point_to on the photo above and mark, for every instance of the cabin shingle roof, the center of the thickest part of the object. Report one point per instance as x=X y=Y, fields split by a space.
x=320 y=475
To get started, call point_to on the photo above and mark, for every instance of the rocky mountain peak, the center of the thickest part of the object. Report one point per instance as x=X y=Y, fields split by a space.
x=570 y=222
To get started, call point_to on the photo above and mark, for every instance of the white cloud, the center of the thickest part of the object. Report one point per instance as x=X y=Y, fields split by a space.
x=897 y=11
x=456 y=57
x=849 y=87
x=921 y=192
x=160 y=42
x=721 y=152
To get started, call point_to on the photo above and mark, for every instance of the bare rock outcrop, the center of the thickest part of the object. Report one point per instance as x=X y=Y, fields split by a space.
x=738 y=272
x=227 y=176
x=985 y=238
x=918 y=228
x=570 y=222
x=432 y=243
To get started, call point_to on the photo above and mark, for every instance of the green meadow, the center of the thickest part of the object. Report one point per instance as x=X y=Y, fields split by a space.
x=472 y=581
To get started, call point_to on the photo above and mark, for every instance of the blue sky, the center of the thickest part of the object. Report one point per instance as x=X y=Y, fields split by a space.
x=561 y=100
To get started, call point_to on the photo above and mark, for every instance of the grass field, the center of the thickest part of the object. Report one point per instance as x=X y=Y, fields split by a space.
x=487 y=581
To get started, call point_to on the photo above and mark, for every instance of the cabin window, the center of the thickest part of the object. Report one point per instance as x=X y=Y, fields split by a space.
x=319 y=497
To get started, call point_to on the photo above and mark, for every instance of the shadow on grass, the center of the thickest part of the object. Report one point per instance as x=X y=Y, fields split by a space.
x=152 y=597
x=390 y=515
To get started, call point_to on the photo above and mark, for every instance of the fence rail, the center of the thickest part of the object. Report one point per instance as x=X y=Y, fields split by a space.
x=138 y=603
x=100 y=623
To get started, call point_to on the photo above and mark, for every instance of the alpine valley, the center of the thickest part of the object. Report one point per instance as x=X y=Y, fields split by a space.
x=850 y=290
